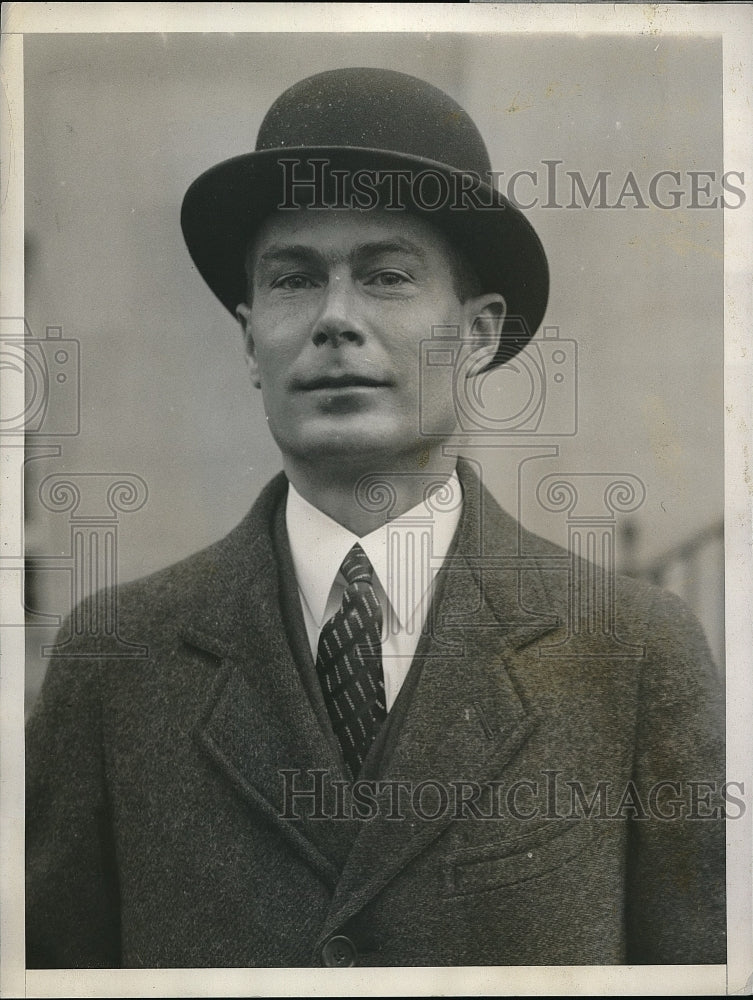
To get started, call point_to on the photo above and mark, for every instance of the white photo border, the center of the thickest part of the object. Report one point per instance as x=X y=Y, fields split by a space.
x=734 y=24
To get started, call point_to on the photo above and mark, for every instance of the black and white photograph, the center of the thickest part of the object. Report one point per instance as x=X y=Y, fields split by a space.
x=376 y=534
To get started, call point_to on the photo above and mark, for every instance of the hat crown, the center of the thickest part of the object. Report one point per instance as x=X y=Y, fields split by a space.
x=375 y=109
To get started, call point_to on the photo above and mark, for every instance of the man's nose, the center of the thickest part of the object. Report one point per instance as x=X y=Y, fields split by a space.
x=338 y=321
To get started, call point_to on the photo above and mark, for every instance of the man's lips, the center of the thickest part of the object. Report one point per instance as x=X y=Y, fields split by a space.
x=343 y=381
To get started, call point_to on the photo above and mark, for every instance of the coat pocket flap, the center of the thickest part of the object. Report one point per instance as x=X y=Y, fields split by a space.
x=490 y=866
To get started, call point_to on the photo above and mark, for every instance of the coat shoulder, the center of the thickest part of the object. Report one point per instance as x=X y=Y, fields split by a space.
x=577 y=589
x=180 y=593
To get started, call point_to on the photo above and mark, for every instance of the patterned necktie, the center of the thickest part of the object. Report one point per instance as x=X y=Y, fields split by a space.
x=349 y=662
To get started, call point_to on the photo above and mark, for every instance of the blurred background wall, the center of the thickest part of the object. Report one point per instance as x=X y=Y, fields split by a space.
x=117 y=127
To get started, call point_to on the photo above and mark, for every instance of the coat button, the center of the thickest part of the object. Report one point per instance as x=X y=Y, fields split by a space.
x=339 y=952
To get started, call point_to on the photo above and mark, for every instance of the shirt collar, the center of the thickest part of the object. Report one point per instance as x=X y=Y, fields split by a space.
x=318 y=545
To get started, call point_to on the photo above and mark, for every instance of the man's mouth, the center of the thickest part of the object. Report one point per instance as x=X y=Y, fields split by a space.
x=343 y=381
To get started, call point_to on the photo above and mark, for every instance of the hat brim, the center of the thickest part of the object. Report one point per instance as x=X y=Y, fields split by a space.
x=225 y=206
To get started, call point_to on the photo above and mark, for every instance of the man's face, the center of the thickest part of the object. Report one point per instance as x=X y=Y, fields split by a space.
x=341 y=302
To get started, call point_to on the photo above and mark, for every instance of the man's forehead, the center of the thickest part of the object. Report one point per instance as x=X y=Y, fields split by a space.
x=351 y=230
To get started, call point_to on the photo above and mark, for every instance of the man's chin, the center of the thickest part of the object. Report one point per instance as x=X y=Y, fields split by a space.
x=348 y=451
x=353 y=449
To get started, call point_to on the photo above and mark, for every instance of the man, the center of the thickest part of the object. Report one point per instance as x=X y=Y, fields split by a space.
x=370 y=729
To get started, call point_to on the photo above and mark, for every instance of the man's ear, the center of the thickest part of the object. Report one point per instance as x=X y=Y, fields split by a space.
x=243 y=314
x=484 y=317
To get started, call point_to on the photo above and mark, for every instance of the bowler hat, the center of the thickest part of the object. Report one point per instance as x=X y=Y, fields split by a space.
x=336 y=138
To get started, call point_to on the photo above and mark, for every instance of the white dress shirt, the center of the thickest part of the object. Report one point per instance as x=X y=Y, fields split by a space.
x=406 y=553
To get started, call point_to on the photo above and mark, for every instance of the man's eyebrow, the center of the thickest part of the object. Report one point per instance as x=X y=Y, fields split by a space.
x=286 y=251
x=378 y=248
x=300 y=251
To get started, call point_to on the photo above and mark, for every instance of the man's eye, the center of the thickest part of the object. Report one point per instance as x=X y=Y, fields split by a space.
x=293 y=282
x=389 y=279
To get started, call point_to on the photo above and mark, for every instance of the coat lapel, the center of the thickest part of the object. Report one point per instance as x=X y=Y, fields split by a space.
x=259 y=720
x=466 y=718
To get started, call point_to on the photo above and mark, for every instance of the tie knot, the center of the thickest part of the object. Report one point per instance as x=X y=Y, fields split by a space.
x=356 y=567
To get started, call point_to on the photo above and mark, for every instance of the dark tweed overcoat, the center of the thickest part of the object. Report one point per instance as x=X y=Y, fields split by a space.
x=531 y=738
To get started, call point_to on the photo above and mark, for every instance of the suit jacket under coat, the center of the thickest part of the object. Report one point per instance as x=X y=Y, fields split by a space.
x=156 y=833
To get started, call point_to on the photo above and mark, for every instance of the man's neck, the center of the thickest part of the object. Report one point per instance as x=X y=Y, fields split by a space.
x=362 y=499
